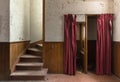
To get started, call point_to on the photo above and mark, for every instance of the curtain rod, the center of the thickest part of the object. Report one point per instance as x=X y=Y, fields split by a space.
x=90 y=14
x=79 y=14
x=76 y=14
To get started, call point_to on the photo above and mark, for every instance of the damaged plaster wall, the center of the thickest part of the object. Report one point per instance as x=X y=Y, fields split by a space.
x=19 y=20
x=4 y=20
x=116 y=29
x=55 y=10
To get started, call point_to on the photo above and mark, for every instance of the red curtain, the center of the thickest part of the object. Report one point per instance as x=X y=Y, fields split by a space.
x=103 y=44
x=70 y=44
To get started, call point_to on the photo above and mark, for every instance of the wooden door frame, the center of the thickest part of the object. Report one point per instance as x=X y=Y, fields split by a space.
x=86 y=46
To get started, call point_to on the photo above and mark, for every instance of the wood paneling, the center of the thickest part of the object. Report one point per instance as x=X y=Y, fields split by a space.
x=4 y=61
x=116 y=58
x=16 y=49
x=9 y=53
x=53 y=56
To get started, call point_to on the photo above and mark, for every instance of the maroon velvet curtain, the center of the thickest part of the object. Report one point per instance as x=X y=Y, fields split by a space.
x=70 y=44
x=103 y=44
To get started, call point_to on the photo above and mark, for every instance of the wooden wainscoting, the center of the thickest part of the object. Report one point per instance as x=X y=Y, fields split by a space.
x=116 y=58
x=4 y=61
x=53 y=56
x=16 y=49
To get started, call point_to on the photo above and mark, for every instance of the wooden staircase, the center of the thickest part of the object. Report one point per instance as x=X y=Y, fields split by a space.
x=30 y=65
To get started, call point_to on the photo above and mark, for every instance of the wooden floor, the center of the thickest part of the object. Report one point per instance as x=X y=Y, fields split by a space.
x=79 y=77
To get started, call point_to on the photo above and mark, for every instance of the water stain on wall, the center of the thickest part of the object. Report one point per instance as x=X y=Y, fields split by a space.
x=55 y=10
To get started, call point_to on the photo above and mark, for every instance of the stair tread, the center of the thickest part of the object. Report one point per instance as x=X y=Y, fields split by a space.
x=34 y=49
x=30 y=56
x=30 y=73
x=41 y=45
x=29 y=64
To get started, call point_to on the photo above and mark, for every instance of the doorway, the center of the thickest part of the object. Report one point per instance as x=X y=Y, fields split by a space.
x=92 y=37
x=81 y=57
x=86 y=44
x=80 y=45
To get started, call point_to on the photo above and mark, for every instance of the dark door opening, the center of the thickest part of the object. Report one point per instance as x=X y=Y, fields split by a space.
x=80 y=46
x=86 y=45
x=92 y=37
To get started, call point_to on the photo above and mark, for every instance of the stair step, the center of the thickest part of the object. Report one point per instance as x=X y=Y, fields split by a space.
x=29 y=75
x=39 y=46
x=29 y=66
x=34 y=51
x=30 y=58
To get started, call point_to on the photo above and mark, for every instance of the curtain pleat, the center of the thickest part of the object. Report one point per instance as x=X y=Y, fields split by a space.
x=70 y=44
x=103 y=44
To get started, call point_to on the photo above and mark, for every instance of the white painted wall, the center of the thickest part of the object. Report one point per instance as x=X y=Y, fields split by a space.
x=55 y=9
x=36 y=20
x=116 y=28
x=4 y=20
x=80 y=18
x=19 y=20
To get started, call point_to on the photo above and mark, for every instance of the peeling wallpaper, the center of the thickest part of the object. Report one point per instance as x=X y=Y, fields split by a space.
x=19 y=20
x=36 y=20
x=4 y=20
x=116 y=29
x=55 y=9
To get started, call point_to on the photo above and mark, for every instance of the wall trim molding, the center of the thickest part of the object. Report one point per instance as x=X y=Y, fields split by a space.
x=53 y=42
x=116 y=41
x=19 y=41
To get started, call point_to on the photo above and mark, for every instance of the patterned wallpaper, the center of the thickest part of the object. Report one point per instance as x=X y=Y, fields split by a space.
x=4 y=20
x=116 y=29
x=55 y=9
x=19 y=20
